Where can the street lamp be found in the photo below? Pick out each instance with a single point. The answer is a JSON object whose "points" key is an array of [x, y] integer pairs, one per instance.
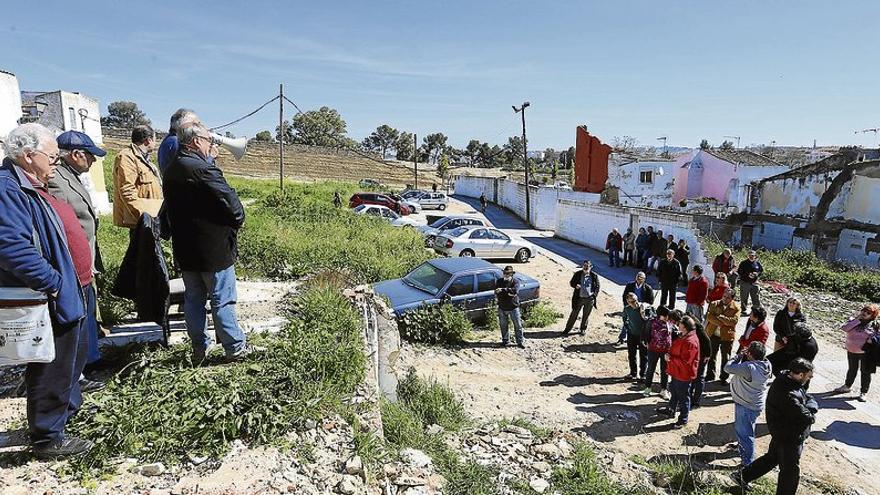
{"points": [[522, 110]]}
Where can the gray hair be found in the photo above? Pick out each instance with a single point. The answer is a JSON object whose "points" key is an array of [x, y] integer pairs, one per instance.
{"points": [[641, 274], [27, 138], [181, 117], [186, 135]]}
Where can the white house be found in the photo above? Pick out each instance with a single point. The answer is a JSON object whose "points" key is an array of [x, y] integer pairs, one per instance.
{"points": [[643, 183], [10, 104]]}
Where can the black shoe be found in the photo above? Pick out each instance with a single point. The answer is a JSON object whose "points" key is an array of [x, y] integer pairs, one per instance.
{"points": [[68, 447], [665, 411], [503, 344], [521, 345], [695, 405], [86, 385], [566, 331], [582, 331], [679, 425]]}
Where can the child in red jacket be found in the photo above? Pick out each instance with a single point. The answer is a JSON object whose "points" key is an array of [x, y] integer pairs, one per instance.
{"points": [[683, 360], [756, 329]]}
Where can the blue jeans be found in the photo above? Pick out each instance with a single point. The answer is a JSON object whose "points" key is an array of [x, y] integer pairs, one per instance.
{"points": [[699, 383], [614, 258], [653, 359], [219, 288], [514, 315], [744, 425], [680, 399]]}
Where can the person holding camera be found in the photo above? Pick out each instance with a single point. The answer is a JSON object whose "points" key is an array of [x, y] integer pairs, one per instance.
{"points": [[750, 374], [507, 294]]}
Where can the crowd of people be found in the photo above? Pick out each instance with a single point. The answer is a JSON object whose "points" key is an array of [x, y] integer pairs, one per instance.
{"points": [[48, 244], [693, 347]]}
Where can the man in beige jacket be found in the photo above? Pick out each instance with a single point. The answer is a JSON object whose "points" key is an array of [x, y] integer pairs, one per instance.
{"points": [[137, 184]]}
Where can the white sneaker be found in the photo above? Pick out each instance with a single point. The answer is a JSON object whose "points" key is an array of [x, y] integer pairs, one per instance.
{"points": [[664, 394], [843, 389], [862, 398]]}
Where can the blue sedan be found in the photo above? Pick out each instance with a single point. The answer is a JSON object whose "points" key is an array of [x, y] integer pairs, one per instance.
{"points": [[467, 283]]}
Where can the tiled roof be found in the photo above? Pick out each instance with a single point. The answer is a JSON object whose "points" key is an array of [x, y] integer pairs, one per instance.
{"points": [[745, 157]]}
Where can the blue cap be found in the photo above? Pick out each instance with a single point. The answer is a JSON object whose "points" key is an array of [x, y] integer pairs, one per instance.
{"points": [[75, 140]]}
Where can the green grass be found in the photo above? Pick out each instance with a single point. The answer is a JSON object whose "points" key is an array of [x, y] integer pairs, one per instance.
{"points": [[160, 408], [541, 315], [804, 269], [585, 476], [433, 324], [539, 432]]}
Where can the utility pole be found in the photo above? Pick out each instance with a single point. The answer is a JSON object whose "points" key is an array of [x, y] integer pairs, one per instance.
{"points": [[737, 140], [281, 133], [665, 150], [416, 159], [522, 110]]}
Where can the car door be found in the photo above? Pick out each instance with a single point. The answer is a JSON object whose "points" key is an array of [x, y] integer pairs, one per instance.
{"points": [[485, 294], [480, 243], [460, 293], [502, 245]]}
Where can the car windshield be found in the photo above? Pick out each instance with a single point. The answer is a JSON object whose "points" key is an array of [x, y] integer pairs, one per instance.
{"points": [[428, 278], [412, 194], [440, 222], [456, 232], [360, 208]]}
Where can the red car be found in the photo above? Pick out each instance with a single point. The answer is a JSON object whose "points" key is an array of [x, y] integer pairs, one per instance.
{"points": [[364, 198]]}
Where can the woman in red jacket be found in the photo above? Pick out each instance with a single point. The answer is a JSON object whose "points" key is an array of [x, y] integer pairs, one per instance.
{"points": [[683, 360], [756, 329]]}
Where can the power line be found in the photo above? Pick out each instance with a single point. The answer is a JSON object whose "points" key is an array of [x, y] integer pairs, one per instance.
{"points": [[244, 117]]}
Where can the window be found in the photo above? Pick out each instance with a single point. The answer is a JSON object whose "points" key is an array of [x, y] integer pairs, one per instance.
{"points": [[485, 282], [373, 211], [498, 235], [471, 221], [72, 118], [479, 234], [461, 286], [427, 277], [646, 177]]}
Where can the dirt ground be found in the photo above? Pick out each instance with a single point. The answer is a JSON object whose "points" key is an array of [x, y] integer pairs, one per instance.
{"points": [[576, 382]]}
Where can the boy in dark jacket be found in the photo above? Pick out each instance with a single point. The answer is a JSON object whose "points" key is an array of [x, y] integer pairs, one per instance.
{"points": [[790, 413]]}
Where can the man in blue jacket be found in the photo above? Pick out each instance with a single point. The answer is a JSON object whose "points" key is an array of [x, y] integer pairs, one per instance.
{"points": [[34, 253], [169, 147]]}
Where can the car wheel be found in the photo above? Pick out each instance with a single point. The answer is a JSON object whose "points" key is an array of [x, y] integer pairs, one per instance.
{"points": [[523, 255], [441, 207], [466, 253], [429, 242]]}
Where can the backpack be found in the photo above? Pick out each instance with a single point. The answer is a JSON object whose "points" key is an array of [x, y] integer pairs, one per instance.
{"points": [[661, 336]]}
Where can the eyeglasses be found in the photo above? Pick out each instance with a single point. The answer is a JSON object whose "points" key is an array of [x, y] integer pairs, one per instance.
{"points": [[53, 159]]}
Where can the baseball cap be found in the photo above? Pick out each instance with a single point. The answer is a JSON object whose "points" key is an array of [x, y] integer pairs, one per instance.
{"points": [[75, 140]]}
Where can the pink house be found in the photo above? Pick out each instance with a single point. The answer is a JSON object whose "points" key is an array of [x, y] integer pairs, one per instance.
{"points": [[725, 175]]}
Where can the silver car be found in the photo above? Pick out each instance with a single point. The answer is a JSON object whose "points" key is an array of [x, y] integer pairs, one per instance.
{"points": [[483, 242], [433, 200], [443, 224]]}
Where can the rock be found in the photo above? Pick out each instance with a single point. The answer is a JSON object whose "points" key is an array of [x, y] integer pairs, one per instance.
{"points": [[541, 467], [415, 458], [310, 424], [197, 459], [496, 442], [354, 466], [539, 485], [153, 469], [565, 448], [518, 431], [390, 470], [410, 481], [347, 486], [436, 482], [434, 429], [548, 450]]}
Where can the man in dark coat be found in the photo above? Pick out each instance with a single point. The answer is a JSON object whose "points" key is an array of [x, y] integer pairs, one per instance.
{"points": [[790, 413], [644, 294], [668, 273], [585, 285], [507, 295], [205, 214]]}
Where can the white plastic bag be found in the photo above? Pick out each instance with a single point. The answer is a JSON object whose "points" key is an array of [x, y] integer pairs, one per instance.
{"points": [[25, 327]]}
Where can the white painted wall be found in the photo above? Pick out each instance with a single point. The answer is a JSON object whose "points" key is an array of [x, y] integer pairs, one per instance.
{"points": [[863, 202], [633, 192], [851, 248], [773, 236], [10, 104]]}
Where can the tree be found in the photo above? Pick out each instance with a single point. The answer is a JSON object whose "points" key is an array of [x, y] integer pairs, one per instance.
{"points": [[433, 145], [382, 139], [443, 167], [124, 114], [704, 144], [727, 146], [551, 156], [405, 146], [567, 158], [322, 127], [264, 136], [513, 150], [285, 134], [554, 170], [472, 152], [625, 144]]}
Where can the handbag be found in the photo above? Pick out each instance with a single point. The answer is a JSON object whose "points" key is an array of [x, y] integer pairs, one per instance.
{"points": [[25, 324]]}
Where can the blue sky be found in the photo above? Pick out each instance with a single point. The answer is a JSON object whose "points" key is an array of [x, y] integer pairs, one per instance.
{"points": [[789, 71]]}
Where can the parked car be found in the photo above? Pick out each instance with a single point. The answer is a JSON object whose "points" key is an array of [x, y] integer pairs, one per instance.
{"points": [[483, 242], [366, 198], [433, 229], [433, 200], [412, 193], [413, 205], [467, 283], [387, 214], [369, 183]]}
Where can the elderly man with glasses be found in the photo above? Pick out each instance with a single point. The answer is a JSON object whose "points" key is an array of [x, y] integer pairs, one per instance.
{"points": [[44, 248], [205, 214], [78, 153]]}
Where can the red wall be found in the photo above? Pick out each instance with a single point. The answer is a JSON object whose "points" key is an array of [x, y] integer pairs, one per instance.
{"points": [[590, 162]]}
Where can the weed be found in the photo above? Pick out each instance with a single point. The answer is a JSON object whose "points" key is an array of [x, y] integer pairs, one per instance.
{"points": [[539, 432], [584, 476], [431, 402], [540, 315], [438, 323]]}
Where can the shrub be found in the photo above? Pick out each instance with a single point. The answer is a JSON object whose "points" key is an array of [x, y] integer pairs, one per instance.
{"points": [[540, 315], [435, 323], [431, 402], [584, 476], [162, 409]]}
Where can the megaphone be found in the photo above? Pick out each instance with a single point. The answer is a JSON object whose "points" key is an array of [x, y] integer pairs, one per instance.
{"points": [[236, 146]]}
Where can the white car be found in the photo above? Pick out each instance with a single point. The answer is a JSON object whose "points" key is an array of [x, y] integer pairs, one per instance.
{"points": [[412, 193], [483, 242], [433, 200], [447, 223], [386, 213], [414, 205]]}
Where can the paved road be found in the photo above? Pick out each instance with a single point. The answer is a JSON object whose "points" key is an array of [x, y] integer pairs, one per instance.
{"points": [[848, 426]]}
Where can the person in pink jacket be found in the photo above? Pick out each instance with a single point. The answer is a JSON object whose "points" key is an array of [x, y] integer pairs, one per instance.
{"points": [[858, 331]]}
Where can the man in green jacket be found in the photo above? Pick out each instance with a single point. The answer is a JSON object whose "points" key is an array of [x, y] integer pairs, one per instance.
{"points": [[634, 319]]}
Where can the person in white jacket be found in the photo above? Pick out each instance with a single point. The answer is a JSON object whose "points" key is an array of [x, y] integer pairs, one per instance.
{"points": [[750, 374]]}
